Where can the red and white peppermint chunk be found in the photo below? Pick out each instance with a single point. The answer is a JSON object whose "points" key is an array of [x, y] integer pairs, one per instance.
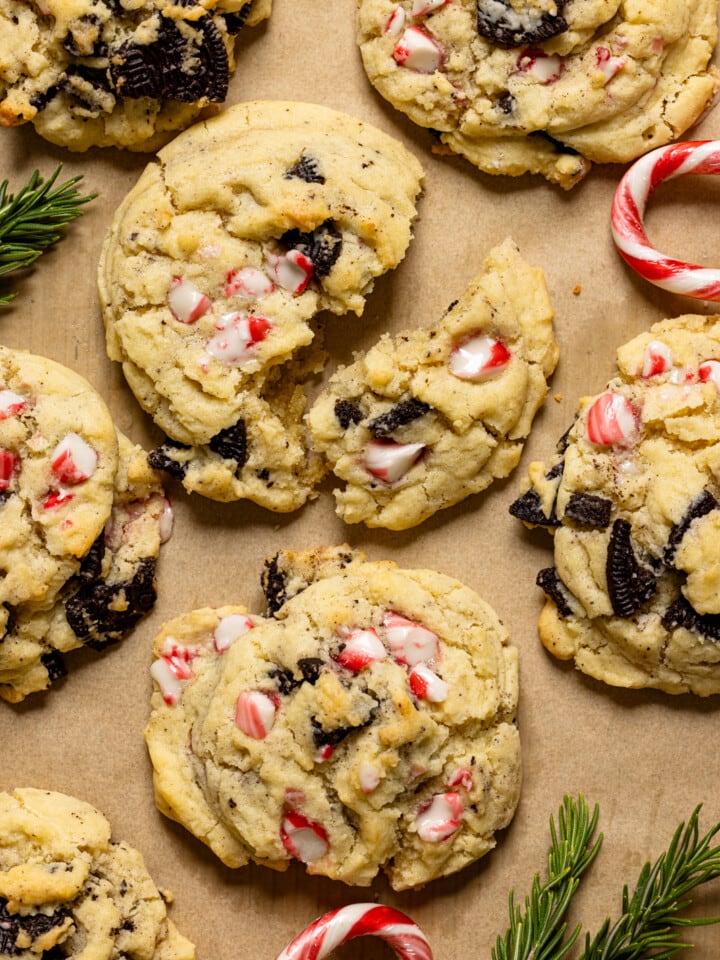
{"points": [[186, 302], [369, 776], [709, 372], [255, 713], [73, 460], [541, 66], [440, 819], [248, 282], [292, 271], [426, 684], [57, 498], [173, 668], [395, 22], [657, 359], [166, 520], [11, 403], [418, 51], [410, 642], [8, 465], [228, 630], [478, 358], [462, 777], [612, 419], [362, 647], [421, 7], [388, 460], [304, 839], [607, 64], [237, 336]]}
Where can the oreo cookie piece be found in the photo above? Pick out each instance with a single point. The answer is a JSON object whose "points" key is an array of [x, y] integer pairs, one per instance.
{"points": [[321, 246], [398, 416], [512, 24]]}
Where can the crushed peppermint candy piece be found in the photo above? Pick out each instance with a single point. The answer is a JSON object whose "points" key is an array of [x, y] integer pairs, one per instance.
{"points": [[172, 670], [418, 51], [229, 628], [657, 359], [247, 282], [166, 520], [421, 7], [305, 839], [73, 460], [324, 753], [440, 819], [607, 64], [369, 776], [255, 713], [292, 271], [409, 642], [388, 460], [57, 498], [611, 419], [479, 358], [545, 67], [11, 403], [187, 303], [362, 647], [462, 777], [236, 338], [426, 684], [8, 463], [395, 23], [709, 372]]}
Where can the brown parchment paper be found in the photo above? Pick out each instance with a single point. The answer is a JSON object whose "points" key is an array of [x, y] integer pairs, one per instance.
{"points": [[645, 757]]}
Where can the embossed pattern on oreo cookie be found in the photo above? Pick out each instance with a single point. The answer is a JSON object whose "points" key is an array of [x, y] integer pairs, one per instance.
{"points": [[431, 416], [214, 270], [68, 889], [101, 73], [633, 501], [543, 86], [367, 724]]}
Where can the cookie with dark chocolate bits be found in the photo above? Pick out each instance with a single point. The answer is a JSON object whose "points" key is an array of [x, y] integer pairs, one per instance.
{"points": [[99, 73], [634, 596]]}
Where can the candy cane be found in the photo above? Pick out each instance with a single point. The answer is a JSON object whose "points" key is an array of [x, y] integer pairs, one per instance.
{"points": [[628, 210], [356, 920]]}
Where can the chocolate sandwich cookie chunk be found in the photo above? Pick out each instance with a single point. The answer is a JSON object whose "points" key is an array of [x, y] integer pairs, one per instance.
{"points": [[68, 889], [215, 268], [427, 418], [113, 72], [633, 500], [543, 86], [367, 725]]}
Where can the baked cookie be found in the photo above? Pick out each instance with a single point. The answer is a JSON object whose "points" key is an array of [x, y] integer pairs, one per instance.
{"points": [[367, 724], [213, 272], [543, 86], [98, 73], [81, 519], [68, 889], [431, 416], [633, 500]]}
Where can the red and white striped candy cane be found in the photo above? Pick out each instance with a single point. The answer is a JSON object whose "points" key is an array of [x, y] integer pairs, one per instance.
{"points": [[628, 210], [357, 920]]}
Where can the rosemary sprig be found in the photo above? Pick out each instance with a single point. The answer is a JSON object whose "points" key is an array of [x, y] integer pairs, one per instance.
{"points": [[34, 219]]}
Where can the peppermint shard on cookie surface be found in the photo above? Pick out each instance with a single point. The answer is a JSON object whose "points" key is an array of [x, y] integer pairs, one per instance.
{"points": [[214, 270], [543, 86], [115, 72], [68, 889], [633, 500], [366, 723], [429, 417]]}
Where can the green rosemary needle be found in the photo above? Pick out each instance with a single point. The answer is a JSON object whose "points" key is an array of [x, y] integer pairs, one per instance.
{"points": [[34, 219]]}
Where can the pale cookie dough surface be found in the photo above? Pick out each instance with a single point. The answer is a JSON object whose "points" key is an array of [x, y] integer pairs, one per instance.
{"points": [[633, 500], [67, 888], [543, 86], [218, 262], [428, 417], [367, 725], [116, 72]]}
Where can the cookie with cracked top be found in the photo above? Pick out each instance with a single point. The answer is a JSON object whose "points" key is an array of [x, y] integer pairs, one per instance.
{"points": [[367, 725], [67, 889], [215, 268], [429, 417], [543, 86], [95, 73], [633, 502]]}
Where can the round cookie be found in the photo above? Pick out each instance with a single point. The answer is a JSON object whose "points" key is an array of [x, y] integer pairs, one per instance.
{"points": [[543, 86], [633, 500], [67, 887], [367, 725], [216, 265], [431, 416], [97, 73]]}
